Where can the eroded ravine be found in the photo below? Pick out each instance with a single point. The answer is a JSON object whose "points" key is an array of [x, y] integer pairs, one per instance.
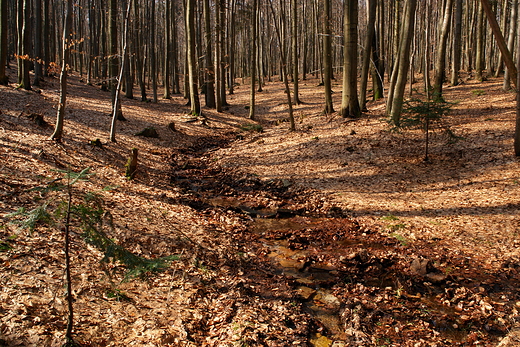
{"points": [[358, 283]]}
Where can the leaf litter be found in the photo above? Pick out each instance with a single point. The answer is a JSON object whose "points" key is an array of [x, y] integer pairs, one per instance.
{"points": [[336, 234]]}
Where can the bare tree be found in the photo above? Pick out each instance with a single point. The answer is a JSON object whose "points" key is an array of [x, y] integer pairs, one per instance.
{"points": [[441, 53], [3, 41], [66, 47], [191, 58], [349, 102], [327, 57]]}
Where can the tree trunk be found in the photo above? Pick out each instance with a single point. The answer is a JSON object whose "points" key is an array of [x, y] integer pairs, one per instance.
{"points": [[508, 58], [117, 103], [441, 54], [66, 46], [457, 44], [167, 50], [349, 101], [372, 7], [294, 4], [191, 58], [23, 45], [210, 69], [479, 55], [253, 45], [38, 71], [3, 42], [403, 62], [327, 57], [153, 60], [511, 40]]}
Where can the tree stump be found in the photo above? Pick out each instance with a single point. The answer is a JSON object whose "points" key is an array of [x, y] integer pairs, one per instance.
{"points": [[131, 165]]}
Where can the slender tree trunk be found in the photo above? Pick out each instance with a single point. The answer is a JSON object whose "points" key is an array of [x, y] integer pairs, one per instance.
{"points": [[457, 44], [167, 50], [294, 4], [372, 7], [38, 71], [327, 57], [117, 101], [192, 59], [517, 124], [403, 63], [232, 38], [219, 74], [253, 44], [176, 82], [479, 56], [284, 70], [511, 40], [60, 116], [349, 101], [153, 60], [224, 55], [4, 80], [508, 58], [210, 67], [113, 62], [24, 62], [441, 54], [378, 71]]}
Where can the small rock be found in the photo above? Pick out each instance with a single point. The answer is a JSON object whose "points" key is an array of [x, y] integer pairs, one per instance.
{"points": [[419, 266]]}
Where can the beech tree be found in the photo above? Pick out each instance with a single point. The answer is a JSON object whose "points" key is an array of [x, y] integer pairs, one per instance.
{"points": [[350, 104], [3, 41], [66, 47]]}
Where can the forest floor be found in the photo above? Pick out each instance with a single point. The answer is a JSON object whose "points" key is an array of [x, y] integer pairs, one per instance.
{"points": [[337, 234]]}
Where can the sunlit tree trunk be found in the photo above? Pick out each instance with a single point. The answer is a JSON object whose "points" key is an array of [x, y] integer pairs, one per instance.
{"points": [[294, 4], [327, 57], [66, 46], [167, 50], [396, 93], [253, 44], [367, 51], [349, 101], [209, 72], [511, 41], [441, 53], [23, 45], [152, 48], [479, 55], [457, 43]]}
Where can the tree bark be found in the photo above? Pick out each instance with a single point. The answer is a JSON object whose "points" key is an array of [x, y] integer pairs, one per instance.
{"points": [[440, 62], [367, 50], [457, 44], [396, 94], [253, 45], [210, 69], [60, 116], [191, 58], [294, 4], [4, 80], [349, 101], [511, 40], [508, 58], [327, 57]]}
